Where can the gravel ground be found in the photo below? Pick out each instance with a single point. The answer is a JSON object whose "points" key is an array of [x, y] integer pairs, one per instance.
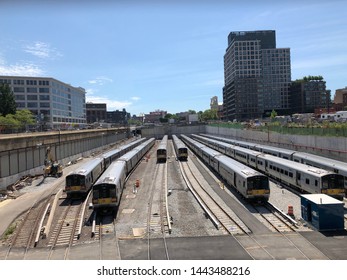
{"points": [[188, 218]]}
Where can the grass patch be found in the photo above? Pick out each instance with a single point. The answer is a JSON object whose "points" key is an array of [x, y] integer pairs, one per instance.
{"points": [[9, 231]]}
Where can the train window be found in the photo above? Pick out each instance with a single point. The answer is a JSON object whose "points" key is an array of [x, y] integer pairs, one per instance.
{"points": [[316, 183], [285, 172], [281, 171], [307, 181], [291, 174]]}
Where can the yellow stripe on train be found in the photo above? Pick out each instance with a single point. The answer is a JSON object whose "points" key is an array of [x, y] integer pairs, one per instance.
{"points": [[258, 192], [104, 200], [334, 191]]}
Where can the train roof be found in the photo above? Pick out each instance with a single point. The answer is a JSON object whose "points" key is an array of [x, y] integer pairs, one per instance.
{"points": [[205, 149], [113, 172], [178, 142], [133, 143], [247, 151], [229, 140], [111, 153], [296, 165], [238, 167], [221, 143], [87, 167], [251, 144], [275, 149], [196, 143], [134, 151], [211, 152], [163, 143], [322, 160]]}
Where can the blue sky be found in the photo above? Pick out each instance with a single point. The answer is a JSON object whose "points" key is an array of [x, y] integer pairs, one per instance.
{"points": [[167, 55]]}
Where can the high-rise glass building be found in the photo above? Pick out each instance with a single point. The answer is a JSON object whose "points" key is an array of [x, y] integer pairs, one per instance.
{"points": [[54, 103], [257, 75]]}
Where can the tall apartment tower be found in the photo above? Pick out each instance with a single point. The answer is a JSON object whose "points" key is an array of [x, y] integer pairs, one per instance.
{"points": [[257, 75]]}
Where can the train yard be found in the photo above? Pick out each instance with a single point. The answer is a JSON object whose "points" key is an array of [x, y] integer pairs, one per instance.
{"points": [[167, 210]]}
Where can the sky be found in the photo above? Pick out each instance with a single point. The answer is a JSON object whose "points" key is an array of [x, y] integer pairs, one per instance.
{"points": [[144, 56]]}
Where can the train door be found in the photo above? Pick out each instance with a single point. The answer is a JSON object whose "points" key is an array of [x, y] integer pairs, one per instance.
{"points": [[266, 166], [298, 178]]}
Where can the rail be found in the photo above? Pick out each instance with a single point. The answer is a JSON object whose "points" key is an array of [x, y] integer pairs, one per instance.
{"points": [[39, 230], [202, 204]]}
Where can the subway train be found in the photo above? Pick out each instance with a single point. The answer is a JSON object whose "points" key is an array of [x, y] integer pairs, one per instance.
{"points": [[305, 178], [79, 182], [336, 166], [162, 150], [180, 148], [108, 188], [251, 184]]}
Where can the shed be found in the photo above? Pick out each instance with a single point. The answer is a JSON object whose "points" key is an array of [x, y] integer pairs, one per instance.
{"points": [[322, 211]]}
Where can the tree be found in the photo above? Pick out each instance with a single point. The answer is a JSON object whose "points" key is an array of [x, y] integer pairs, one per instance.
{"points": [[19, 120], [273, 115], [9, 122], [25, 117], [210, 114], [7, 100]]}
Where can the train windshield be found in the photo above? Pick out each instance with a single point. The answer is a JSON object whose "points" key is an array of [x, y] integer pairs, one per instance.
{"points": [[104, 191], [75, 180], [332, 181], [161, 152], [258, 183], [182, 150]]}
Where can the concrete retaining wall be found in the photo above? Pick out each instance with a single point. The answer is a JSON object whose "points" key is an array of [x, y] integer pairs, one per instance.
{"points": [[23, 155]]}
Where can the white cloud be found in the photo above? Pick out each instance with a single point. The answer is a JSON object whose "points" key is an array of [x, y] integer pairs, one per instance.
{"points": [[24, 69], [42, 50], [101, 80], [111, 104], [135, 98]]}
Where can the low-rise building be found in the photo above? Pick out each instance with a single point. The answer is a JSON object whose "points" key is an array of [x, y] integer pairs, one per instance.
{"points": [[309, 94], [154, 117], [96, 112], [54, 104]]}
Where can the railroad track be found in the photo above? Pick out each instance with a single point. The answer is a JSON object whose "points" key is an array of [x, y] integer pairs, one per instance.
{"points": [[66, 230], [29, 229], [272, 219], [104, 225], [158, 220], [25, 234], [222, 216]]}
